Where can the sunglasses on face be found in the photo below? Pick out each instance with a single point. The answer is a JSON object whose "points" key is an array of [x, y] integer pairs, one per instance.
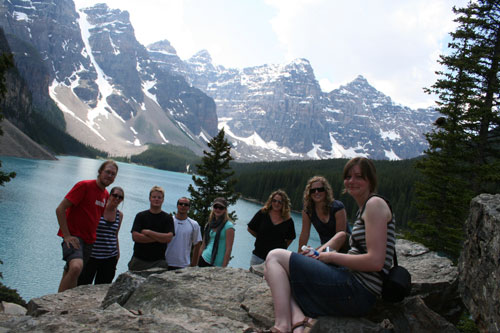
{"points": [[219, 207], [185, 204], [317, 189], [277, 201], [117, 196]]}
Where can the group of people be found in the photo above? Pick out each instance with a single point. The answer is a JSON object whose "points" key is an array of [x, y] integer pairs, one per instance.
{"points": [[342, 277], [89, 222]]}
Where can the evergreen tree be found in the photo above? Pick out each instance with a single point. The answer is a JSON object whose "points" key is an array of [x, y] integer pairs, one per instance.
{"points": [[463, 155], [6, 62], [215, 180]]}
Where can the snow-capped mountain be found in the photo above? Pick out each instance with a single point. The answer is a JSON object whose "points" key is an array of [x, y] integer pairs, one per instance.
{"points": [[282, 108], [112, 95], [118, 95]]}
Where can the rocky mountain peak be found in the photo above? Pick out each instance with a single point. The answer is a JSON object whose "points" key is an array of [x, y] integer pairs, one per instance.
{"points": [[162, 46], [202, 57]]}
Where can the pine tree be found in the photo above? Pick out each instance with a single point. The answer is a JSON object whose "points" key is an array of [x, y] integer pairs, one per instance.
{"points": [[215, 180], [6, 62], [463, 155]]}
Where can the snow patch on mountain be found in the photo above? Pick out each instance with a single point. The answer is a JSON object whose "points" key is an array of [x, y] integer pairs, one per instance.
{"points": [[255, 140], [391, 135], [162, 136], [391, 155], [105, 87], [62, 106]]}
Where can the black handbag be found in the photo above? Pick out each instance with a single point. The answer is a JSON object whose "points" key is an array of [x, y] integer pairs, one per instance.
{"points": [[397, 284]]}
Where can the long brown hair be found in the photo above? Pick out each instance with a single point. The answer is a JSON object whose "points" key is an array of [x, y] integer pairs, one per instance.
{"points": [[285, 207], [308, 201], [368, 171]]}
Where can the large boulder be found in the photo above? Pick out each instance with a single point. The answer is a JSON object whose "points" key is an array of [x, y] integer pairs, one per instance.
{"points": [[434, 278], [479, 263], [223, 300]]}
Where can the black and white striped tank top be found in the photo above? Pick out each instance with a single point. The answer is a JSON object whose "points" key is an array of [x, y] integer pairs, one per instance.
{"points": [[372, 280], [105, 245]]}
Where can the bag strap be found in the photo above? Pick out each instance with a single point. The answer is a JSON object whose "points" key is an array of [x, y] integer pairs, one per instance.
{"points": [[358, 246]]}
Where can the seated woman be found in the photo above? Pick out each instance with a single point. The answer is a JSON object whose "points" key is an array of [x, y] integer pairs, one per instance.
{"points": [[106, 249], [271, 226], [333, 283], [218, 237], [327, 215]]}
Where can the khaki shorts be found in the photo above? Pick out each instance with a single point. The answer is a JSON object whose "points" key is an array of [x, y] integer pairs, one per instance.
{"points": [[70, 253]]}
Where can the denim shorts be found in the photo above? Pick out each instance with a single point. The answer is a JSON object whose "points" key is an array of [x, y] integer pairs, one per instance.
{"points": [[254, 260], [327, 290]]}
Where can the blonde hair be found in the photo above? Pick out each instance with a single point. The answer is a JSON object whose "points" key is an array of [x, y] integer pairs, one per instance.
{"points": [[157, 188], [212, 216], [308, 201], [285, 207]]}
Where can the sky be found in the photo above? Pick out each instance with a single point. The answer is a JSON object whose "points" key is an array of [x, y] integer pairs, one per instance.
{"points": [[394, 44]]}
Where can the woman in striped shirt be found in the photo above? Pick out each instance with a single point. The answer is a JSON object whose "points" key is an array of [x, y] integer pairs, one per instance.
{"points": [[332, 283], [106, 249]]}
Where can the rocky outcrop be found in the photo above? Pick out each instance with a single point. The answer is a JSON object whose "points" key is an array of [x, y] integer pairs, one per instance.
{"points": [[221, 300], [113, 96], [282, 108], [479, 264], [15, 143]]}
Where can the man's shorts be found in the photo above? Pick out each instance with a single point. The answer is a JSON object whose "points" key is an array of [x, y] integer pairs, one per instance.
{"points": [[70, 253], [136, 264]]}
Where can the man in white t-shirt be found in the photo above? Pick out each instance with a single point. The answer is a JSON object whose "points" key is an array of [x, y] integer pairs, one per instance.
{"points": [[187, 236]]}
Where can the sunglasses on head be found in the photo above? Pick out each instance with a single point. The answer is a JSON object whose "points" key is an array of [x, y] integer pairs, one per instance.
{"points": [[277, 201], [317, 189], [219, 207], [185, 204], [117, 196]]}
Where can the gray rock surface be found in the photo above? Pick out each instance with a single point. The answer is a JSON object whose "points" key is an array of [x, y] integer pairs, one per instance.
{"points": [[15, 143], [434, 278], [479, 263], [12, 308], [200, 300]]}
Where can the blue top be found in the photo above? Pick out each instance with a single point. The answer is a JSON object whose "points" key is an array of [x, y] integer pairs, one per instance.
{"points": [[326, 230], [207, 253]]}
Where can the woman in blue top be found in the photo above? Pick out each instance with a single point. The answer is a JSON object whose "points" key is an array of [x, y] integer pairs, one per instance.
{"points": [[327, 215], [218, 237]]}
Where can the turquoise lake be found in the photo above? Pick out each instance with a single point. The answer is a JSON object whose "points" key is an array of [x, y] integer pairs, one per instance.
{"points": [[31, 250]]}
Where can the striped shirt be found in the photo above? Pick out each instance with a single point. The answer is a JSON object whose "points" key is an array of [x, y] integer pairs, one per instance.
{"points": [[105, 245], [372, 280]]}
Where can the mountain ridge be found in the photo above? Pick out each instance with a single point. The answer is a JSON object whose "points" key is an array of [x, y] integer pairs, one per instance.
{"points": [[118, 95]]}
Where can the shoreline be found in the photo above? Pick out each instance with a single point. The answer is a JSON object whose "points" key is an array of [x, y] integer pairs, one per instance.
{"points": [[255, 201]]}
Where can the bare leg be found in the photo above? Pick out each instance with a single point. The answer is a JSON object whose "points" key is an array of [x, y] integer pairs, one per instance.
{"points": [[70, 278], [277, 274]]}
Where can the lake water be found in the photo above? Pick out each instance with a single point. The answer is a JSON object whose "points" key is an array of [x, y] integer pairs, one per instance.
{"points": [[31, 250]]}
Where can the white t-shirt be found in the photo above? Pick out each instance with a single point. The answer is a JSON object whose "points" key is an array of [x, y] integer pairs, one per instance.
{"points": [[187, 233]]}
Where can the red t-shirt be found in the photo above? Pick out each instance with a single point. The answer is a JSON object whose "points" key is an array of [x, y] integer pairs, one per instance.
{"points": [[88, 206]]}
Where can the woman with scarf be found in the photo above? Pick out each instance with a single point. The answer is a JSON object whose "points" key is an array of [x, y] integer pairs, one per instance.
{"points": [[218, 237]]}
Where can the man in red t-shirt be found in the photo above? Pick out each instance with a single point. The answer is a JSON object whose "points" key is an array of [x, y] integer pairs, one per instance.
{"points": [[78, 215]]}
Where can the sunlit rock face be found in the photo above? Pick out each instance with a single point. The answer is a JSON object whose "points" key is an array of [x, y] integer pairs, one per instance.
{"points": [[282, 108], [89, 63], [117, 95]]}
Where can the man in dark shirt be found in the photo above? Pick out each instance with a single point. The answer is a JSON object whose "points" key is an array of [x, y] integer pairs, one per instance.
{"points": [[152, 230]]}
